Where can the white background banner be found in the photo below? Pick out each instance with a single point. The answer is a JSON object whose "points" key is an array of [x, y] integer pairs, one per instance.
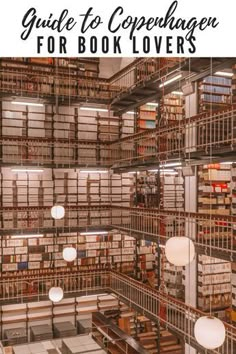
{"points": [[117, 28]]}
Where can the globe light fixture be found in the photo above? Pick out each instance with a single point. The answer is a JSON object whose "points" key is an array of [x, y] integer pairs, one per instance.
{"points": [[69, 254], [180, 251], [57, 212], [55, 294], [209, 332]]}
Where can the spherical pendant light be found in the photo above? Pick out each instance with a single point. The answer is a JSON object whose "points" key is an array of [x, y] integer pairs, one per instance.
{"points": [[58, 212], [209, 332], [180, 251], [69, 254], [55, 294]]}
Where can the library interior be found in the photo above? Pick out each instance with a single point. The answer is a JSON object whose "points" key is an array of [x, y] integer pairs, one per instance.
{"points": [[118, 205]]}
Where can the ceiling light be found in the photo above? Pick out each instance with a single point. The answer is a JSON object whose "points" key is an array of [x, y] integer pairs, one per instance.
{"points": [[152, 104], [226, 163], [93, 109], [223, 73], [28, 103], [27, 236], [19, 170], [180, 93], [94, 233], [170, 80], [93, 171], [171, 164], [130, 112], [162, 170], [168, 172]]}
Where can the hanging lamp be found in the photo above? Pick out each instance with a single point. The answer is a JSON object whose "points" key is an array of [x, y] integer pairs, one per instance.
{"points": [[209, 332], [57, 212], [56, 294], [180, 251], [69, 254]]}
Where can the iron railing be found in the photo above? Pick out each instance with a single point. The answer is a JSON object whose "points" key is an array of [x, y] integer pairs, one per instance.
{"points": [[143, 71], [158, 306], [203, 135], [23, 219], [168, 311], [53, 152], [210, 233]]}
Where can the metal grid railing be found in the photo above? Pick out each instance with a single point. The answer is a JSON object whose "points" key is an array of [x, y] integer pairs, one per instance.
{"points": [[166, 310], [144, 70], [34, 288], [204, 133], [174, 314], [48, 152], [36, 82], [36, 219], [211, 233]]}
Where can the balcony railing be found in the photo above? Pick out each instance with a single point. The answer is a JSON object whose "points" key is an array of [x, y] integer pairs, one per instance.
{"points": [[39, 219], [203, 135], [211, 234], [158, 306], [162, 308], [39, 81], [143, 71], [54, 152]]}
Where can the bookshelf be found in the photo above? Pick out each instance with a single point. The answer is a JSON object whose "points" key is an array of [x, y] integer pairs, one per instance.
{"points": [[214, 275], [164, 191], [145, 261], [173, 279], [214, 285], [40, 78], [215, 93], [147, 190], [94, 252], [214, 192], [173, 191], [147, 117], [171, 109]]}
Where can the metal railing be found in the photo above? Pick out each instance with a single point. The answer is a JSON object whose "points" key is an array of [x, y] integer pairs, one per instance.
{"points": [[202, 134], [173, 314], [212, 234], [143, 71], [48, 152], [37, 82], [36, 219], [36, 287], [166, 310]]}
